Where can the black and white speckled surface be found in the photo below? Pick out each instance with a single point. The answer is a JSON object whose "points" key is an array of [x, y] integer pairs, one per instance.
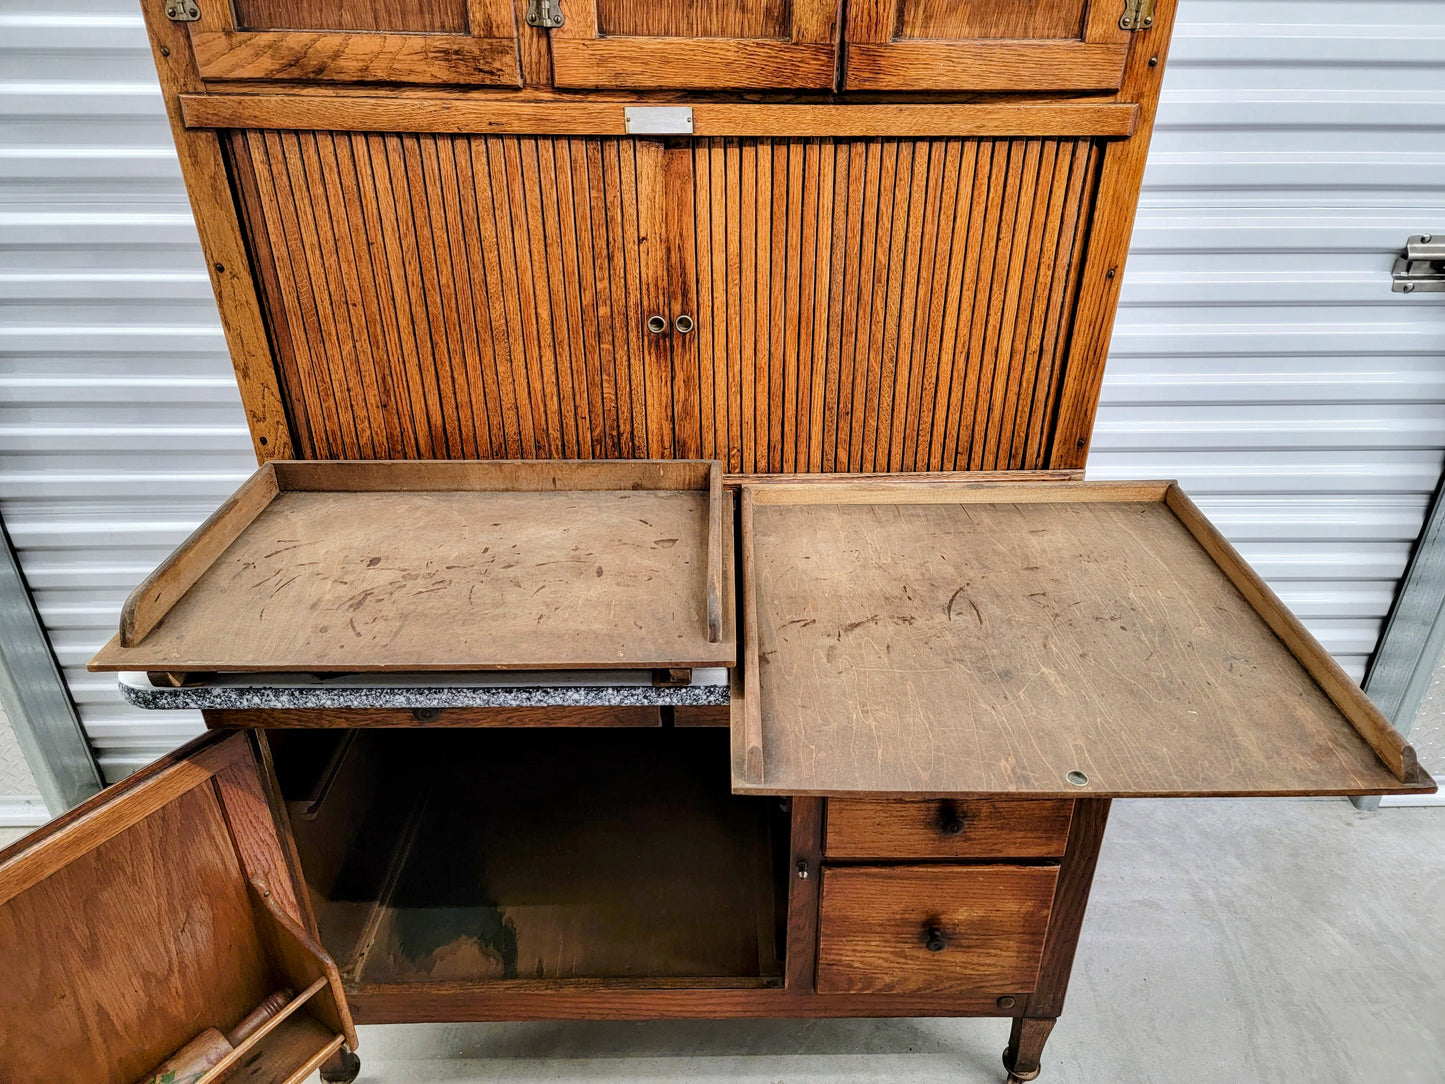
{"points": [[280, 697]]}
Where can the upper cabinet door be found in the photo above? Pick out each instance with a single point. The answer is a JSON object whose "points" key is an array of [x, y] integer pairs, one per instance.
{"points": [[464, 42], [706, 44], [161, 908], [988, 45]]}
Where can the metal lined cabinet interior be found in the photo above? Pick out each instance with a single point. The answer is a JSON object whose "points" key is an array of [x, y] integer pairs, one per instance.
{"points": [[341, 41], [811, 305]]}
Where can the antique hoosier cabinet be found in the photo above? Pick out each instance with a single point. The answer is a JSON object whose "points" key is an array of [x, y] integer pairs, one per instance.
{"points": [[669, 589]]}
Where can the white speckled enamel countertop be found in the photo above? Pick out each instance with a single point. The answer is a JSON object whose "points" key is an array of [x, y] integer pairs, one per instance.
{"points": [[620, 688]]}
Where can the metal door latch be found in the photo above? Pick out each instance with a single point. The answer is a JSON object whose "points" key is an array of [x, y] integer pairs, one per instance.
{"points": [[1138, 15], [182, 11], [544, 13], [1422, 268]]}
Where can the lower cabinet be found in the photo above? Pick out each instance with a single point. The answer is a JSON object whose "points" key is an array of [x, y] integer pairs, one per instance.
{"points": [[521, 859]]}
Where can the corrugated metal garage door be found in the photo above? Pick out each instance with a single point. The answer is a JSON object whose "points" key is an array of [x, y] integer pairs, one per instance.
{"points": [[1260, 356]]}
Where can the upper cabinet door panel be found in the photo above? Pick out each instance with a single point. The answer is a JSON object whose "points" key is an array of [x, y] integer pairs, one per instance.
{"points": [[462, 42], [992, 45], [709, 44]]}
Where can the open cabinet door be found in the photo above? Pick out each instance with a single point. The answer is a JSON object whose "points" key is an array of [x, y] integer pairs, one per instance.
{"points": [[1042, 640], [164, 906]]}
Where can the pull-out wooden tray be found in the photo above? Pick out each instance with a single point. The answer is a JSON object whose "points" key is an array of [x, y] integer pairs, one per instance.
{"points": [[332, 567], [1042, 638]]}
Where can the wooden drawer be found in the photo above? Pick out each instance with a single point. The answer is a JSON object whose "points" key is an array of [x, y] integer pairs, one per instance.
{"points": [[947, 828], [930, 929]]}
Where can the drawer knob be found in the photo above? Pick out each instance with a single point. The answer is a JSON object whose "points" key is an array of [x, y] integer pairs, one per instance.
{"points": [[951, 823], [936, 941]]}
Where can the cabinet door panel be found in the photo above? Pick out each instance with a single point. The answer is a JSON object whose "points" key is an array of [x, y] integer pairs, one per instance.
{"points": [[462, 42], [128, 925], [995, 45], [442, 297], [877, 305], [762, 44]]}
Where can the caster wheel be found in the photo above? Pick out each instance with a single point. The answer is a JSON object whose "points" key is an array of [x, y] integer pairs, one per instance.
{"points": [[342, 1069], [1017, 1078]]}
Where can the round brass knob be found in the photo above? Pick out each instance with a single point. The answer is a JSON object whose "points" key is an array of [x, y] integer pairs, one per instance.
{"points": [[657, 324], [683, 324]]}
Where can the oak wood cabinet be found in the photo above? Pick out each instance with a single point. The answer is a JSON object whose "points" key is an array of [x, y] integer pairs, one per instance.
{"points": [[863, 255]]}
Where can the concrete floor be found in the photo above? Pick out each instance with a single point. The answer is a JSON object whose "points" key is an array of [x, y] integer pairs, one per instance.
{"points": [[1227, 942]]}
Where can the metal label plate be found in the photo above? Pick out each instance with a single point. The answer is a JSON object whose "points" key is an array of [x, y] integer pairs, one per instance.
{"points": [[658, 119]]}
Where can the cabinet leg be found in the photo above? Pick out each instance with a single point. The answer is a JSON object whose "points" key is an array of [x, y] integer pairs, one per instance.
{"points": [[341, 1068], [1025, 1047]]}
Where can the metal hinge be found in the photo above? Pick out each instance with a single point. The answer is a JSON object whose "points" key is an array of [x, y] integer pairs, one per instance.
{"points": [[182, 11], [1422, 268], [544, 13], [1138, 15]]}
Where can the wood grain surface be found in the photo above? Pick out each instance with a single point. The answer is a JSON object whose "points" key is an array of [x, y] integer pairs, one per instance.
{"points": [[880, 305], [121, 957], [471, 115], [986, 648], [698, 19], [946, 19], [985, 66], [1057, 45], [947, 828], [922, 310], [447, 580], [874, 924], [761, 44], [411, 16]]}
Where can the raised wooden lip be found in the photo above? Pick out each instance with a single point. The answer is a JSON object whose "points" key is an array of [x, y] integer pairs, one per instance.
{"points": [[459, 114], [1388, 744], [147, 605]]}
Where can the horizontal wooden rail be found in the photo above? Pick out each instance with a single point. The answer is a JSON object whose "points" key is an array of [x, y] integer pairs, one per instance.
{"points": [[482, 115]]}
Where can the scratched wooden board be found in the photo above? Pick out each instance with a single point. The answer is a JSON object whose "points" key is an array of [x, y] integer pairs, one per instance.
{"points": [[449, 580], [995, 648]]}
